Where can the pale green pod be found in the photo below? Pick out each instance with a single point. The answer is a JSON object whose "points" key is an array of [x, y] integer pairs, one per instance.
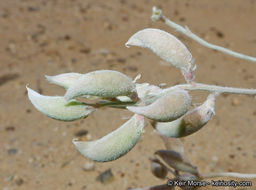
{"points": [[168, 107], [57, 107], [64, 80], [102, 83], [176, 161], [166, 46], [191, 122], [115, 144]]}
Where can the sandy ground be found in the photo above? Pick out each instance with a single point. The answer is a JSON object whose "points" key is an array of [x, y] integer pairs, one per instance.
{"points": [[56, 36]]}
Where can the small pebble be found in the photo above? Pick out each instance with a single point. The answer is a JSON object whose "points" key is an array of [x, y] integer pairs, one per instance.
{"points": [[131, 68], [81, 133], [11, 48], [10, 128], [85, 50], [232, 156], [122, 174], [19, 181], [89, 166], [235, 102], [107, 25], [33, 9], [105, 177], [121, 60], [12, 151]]}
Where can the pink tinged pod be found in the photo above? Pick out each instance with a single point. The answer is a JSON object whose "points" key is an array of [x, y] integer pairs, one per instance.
{"points": [[115, 144], [191, 122], [167, 47], [57, 107], [103, 83], [64, 80], [168, 107]]}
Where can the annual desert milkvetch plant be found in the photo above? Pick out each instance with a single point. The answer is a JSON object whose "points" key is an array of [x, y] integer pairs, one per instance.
{"points": [[168, 109]]}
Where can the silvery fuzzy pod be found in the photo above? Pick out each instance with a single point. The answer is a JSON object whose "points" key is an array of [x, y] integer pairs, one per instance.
{"points": [[176, 161], [167, 47], [102, 83], [191, 122], [115, 144], [64, 80], [168, 107], [157, 168], [57, 107]]}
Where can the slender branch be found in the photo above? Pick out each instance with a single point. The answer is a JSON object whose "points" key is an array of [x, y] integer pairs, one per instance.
{"points": [[213, 88], [228, 174], [157, 15]]}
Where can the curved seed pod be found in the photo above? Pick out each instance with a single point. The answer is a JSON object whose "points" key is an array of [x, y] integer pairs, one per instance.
{"points": [[157, 168], [175, 160], [191, 122], [64, 80], [174, 144], [115, 144], [168, 107], [103, 83], [166, 46], [56, 107]]}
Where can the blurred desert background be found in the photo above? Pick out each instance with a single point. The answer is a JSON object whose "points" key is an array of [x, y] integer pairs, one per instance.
{"points": [[49, 37]]}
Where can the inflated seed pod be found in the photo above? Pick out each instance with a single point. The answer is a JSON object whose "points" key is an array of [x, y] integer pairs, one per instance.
{"points": [[157, 168], [115, 144], [64, 80], [57, 107], [176, 161], [191, 122], [168, 107], [102, 83], [166, 46]]}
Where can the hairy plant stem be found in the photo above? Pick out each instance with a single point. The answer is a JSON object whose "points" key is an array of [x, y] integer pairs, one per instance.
{"points": [[228, 174], [157, 15], [213, 88]]}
